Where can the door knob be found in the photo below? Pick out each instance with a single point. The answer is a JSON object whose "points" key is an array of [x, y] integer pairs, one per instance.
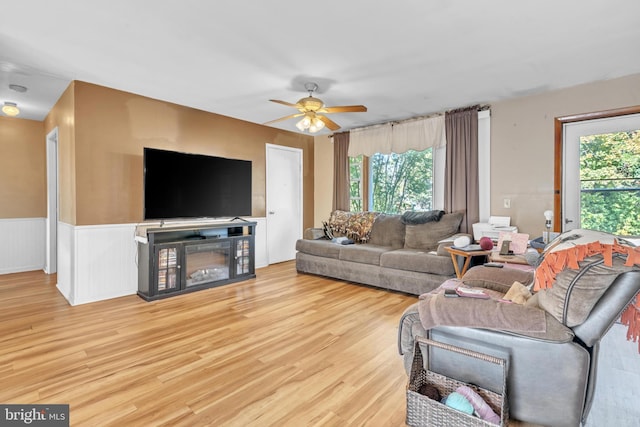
{"points": [[271, 212], [567, 220]]}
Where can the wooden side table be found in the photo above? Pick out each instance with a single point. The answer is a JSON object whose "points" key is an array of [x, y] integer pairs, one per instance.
{"points": [[467, 255]]}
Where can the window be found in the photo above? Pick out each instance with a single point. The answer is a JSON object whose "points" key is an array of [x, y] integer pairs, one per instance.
{"points": [[598, 164], [610, 182], [413, 180], [356, 183], [398, 182]]}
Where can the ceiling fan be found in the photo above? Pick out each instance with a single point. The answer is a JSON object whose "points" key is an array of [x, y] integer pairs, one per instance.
{"points": [[311, 110]]}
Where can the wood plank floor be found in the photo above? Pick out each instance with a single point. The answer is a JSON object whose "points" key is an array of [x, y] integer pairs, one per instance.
{"points": [[282, 349]]}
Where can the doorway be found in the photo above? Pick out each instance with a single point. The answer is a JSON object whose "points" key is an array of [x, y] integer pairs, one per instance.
{"points": [[283, 201], [597, 173], [51, 238]]}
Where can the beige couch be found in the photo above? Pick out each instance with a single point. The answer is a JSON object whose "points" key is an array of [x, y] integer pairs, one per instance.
{"points": [[395, 255]]}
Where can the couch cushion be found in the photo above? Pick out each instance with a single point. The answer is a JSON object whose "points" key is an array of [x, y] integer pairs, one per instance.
{"points": [[323, 248], [387, 230], [364, 254], [417, 260], [426, 236]]}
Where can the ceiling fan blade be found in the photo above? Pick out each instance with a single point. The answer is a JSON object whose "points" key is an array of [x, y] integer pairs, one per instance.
{"points": [[329, 123], [344, 109], [288, 104], [290, 116]]}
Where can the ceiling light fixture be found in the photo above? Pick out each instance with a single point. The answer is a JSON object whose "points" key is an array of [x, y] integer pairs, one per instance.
{"points": [[310, 122], [10, 109]]}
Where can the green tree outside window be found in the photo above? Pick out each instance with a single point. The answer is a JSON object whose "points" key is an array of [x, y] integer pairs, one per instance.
{"points": [[610, 182], [399, 182]]}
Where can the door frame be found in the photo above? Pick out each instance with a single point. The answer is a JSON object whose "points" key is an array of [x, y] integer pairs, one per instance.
{"points": [[558, 170], [51, 238], [299, 169]]}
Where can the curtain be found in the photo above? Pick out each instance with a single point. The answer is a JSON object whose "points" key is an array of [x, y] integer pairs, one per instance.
{"points": [[341, 171], [418, 134], [370, 140], [461, 168]]}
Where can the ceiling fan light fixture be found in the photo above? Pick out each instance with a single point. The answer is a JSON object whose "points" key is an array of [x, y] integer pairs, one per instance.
{"points": [[316, 125], [310, 122], [10, 109], [310, 107], [304, 124]]}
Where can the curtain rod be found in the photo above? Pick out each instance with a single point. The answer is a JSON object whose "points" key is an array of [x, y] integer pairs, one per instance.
{"points": [[428, 116]]}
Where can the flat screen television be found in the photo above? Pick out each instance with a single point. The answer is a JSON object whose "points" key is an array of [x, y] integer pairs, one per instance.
{"points": [[182, 185]]}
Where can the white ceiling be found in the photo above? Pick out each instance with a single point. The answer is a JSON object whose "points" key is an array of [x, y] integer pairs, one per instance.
{"points": [[403, 59]]}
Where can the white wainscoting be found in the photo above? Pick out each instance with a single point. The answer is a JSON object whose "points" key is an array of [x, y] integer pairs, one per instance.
{"points": [[98, 262], [262, 259], [23, 244], [65, 260], [101, 261]]}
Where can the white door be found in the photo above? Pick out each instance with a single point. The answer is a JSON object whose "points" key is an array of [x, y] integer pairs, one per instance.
{"points": [[284, 202], [575, 136]]}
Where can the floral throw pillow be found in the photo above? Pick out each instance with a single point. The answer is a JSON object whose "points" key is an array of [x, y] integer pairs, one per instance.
{"points": [[355, 225], [338, 221]]}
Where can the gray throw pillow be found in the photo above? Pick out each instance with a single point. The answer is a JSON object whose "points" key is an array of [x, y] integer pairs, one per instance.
{"points": [[426, 236], [415, 217], [387, 230]]}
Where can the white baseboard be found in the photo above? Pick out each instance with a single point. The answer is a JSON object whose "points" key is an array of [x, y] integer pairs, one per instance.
{"points": [[23, 244]]}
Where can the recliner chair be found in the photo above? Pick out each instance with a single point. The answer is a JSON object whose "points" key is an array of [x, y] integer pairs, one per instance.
{"points": [[552, 376]]}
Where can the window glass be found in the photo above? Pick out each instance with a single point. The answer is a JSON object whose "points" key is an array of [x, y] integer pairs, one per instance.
{"points": [[610, 182], [355, 184], [399, 182]]}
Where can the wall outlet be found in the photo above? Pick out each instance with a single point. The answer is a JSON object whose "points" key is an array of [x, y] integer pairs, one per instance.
{"points": [[507, 203]]}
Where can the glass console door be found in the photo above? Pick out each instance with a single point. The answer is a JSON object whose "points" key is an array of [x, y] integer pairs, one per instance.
{"points": [[167, 268], [243, 258]]}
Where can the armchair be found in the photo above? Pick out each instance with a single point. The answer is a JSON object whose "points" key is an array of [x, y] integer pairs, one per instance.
{"points": [[552, 375]]}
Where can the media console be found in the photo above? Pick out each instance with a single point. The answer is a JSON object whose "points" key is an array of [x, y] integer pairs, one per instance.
{"points": [[180, 258]]}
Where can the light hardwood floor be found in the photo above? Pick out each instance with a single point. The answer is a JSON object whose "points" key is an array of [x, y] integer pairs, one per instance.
{"points": [[281, 349]]}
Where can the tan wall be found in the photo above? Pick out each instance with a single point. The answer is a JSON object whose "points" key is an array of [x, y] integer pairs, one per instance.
{"points": [[522, 144], [522, 148], [22, 169], [323, 159], [62, 117], [112, 128]]}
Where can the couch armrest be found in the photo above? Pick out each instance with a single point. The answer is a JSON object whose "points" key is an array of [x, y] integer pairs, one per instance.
{"points": [[313, 234]]}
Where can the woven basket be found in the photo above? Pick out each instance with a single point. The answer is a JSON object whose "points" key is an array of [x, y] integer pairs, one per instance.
{"points": [[422, 411]]}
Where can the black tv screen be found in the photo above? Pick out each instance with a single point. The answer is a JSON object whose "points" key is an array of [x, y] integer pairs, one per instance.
{"points": [[181, 185]]}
